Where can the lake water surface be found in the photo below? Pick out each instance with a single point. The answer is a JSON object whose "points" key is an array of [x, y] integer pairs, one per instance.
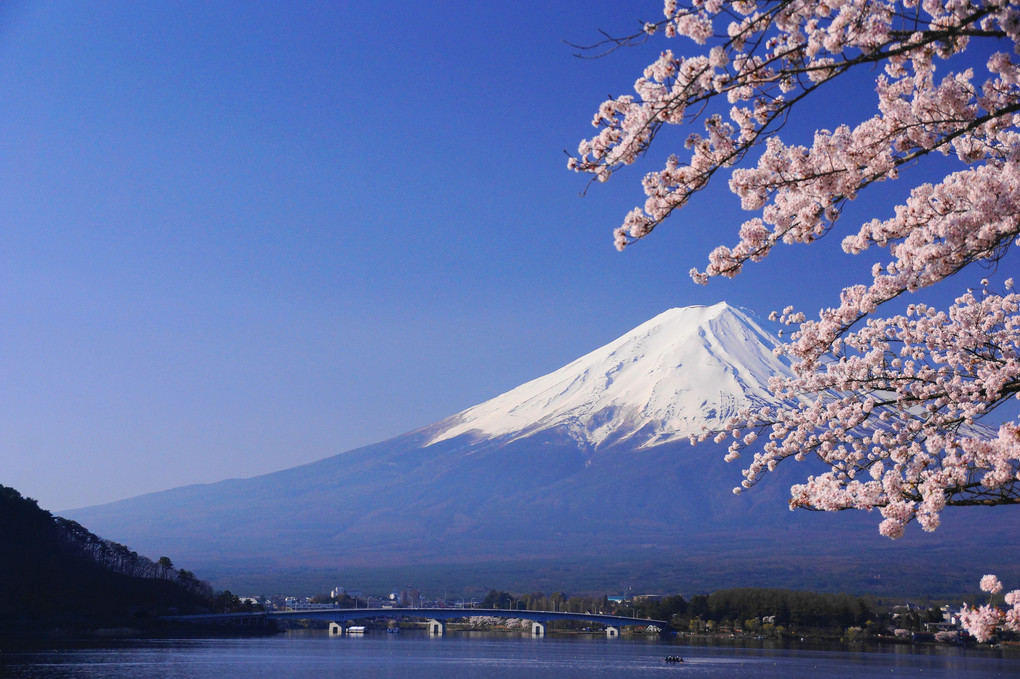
{"points": [[469, 655]]}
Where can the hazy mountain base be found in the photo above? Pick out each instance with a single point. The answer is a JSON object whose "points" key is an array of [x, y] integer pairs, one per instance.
{"points": [[543, 513], [653, 571]]}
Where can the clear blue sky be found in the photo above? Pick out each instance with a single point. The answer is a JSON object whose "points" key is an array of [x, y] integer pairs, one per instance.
{"points": [[241, 236]]}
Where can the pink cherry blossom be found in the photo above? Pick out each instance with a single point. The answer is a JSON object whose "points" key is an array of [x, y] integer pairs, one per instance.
{"points": [[991, 584], [983, 621]]}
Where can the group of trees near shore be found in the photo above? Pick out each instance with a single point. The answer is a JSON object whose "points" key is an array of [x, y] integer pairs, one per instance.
{"points": [[742, 607], [54, 573], [790, 609]]}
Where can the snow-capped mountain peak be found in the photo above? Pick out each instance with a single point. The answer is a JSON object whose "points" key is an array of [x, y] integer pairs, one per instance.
{"points": [[666, 379]]}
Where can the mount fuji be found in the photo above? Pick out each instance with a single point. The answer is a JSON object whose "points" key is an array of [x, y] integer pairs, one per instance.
{"points": [[580, 480], [669, 378]]}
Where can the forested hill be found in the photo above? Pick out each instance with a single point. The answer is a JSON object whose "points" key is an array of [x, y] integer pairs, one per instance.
{"points": [[55, 574]]}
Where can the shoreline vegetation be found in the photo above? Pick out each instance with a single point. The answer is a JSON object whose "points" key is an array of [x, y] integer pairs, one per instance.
{"points": [[63, 584]]}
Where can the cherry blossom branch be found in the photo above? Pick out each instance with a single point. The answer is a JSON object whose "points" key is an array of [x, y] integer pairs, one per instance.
{"points": [[895, 407]]}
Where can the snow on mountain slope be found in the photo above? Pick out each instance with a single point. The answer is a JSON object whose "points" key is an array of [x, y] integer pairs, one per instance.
{"points": [[665, 380]]}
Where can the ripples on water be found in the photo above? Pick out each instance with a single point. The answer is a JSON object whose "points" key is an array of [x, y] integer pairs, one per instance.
{"points": [[301, 655]]}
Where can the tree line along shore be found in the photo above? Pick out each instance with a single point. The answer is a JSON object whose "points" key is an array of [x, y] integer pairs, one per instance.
{"points": [[61, 579]]}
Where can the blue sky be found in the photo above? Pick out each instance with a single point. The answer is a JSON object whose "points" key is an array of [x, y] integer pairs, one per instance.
{"points": [[238, 236]]}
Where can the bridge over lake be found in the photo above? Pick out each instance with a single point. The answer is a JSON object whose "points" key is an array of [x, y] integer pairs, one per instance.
{"points": [[436, 617]]}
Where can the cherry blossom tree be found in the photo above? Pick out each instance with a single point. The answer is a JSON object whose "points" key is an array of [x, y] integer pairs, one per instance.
{"points": [[983, 621], [902, 402]]}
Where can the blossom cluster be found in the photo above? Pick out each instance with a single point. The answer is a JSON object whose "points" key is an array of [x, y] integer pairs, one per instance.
{"points": [[983, 621], [894, 405], [772, 56], [894, 409]]}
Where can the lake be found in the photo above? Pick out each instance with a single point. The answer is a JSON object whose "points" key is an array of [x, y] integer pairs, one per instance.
{"points": [[465, 655]]}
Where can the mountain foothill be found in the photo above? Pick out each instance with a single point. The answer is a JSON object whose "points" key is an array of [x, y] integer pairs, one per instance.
{"points": [[57, 576]]}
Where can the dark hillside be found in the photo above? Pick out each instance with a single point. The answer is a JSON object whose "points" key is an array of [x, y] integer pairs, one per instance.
{"points": [[56, 574]]}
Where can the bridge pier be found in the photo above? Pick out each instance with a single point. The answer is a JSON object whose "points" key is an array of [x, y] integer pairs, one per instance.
{"points": [[537, 629], [336, 628], [612, 632], [437, 628]]}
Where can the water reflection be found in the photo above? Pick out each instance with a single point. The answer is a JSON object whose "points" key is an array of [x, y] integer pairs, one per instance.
{"points": [[479, 654]]}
